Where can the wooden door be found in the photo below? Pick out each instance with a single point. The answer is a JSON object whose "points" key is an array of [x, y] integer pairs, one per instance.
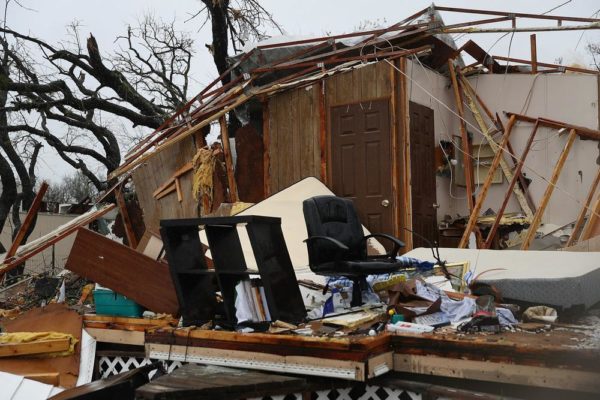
{"points": [[361, 161], [422, 168]]}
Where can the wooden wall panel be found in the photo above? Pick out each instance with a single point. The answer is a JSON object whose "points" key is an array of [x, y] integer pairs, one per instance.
{"points": [[156, 171], [295, 150]]}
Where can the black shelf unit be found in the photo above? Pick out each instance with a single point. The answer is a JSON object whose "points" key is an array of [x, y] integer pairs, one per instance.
{"points": [[270, 252]]}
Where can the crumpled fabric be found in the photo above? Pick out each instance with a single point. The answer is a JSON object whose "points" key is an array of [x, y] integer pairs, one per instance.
{"points": [[506, 317]]}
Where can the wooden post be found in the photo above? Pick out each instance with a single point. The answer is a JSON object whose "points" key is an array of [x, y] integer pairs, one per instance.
{"points": [[323, 131], [494, 146], [131, 239], [592, 221], [233, 193], [31, 213], [266, 149], [518, 169], [486, 185], [396, 204], [584, 210], [406, 174], [533, 54], [537, 219], [466, 148]]}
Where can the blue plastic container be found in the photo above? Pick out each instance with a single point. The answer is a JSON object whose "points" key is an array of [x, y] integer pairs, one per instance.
{"points": [[111, 303]]}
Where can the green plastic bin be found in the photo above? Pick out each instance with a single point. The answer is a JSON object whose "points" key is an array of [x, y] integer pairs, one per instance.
{"points": [[111, 303]]}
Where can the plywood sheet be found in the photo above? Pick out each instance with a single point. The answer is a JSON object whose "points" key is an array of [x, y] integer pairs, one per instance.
{"points": [[155, 172], [123, 270], [53, 317]]}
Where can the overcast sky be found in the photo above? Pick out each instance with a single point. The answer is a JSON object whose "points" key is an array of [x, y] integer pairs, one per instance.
{"points": [[107, 19]]}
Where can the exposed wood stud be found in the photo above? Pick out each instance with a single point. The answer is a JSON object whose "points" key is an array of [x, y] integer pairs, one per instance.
{"points": [[592, 221], [537, 219], [486, 185], [584, 209], [405, 141], [233, 193], [466, 148], [29, 218], [129, 233], [533, 54], [494, 146], [396, 204], [511, 185]]}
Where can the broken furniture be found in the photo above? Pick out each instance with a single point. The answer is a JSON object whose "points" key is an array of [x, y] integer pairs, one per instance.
{"points": [[270, 253], [337, 246]]}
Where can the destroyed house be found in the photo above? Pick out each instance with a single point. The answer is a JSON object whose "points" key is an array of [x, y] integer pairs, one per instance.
{"points": [[398, 129], [377, 117]]}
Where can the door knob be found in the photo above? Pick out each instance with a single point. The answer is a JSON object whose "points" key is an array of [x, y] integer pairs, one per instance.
{"points": [[385, 202], [436, 205]]}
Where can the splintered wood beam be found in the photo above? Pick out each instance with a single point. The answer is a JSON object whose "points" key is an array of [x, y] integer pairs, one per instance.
{"points": [[494, 146], [131, 239], [592, 221], [464, 137], [233, 193], [537, 219], [31, 213], [533, 54], [581, 131], [486, 185], [584, 209], [511, 185]]}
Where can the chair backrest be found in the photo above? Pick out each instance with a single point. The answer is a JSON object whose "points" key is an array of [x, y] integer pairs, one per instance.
{"points": [[334, 217]]}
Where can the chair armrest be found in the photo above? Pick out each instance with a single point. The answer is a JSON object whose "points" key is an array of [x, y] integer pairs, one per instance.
{"points": [[397, 243], [339, 244]]}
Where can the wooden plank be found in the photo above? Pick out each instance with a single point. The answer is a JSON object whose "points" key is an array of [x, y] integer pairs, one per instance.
{"points": [[537, 219], [178, 190], [486, 185], [37, 347], [592, 221], [53, 237], [494, 146], [405, 144], [557, 378], [115, 336], [31, 213], [228, 160], [345, 369], [168, 190], [131, 239], [533, 54], [584, 209], [395, 150], [187, 167], [511, 184], [123, 270], [466, 148]]}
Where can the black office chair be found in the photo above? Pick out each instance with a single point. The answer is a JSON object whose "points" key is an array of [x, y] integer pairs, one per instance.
{"points": [[337, 245]]}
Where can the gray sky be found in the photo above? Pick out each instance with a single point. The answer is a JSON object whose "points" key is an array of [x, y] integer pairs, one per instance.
{"points": [[107, 19]]}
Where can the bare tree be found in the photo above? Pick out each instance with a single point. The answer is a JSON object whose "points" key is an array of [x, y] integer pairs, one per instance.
{"points": [[71, 189], [235, 21]]}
